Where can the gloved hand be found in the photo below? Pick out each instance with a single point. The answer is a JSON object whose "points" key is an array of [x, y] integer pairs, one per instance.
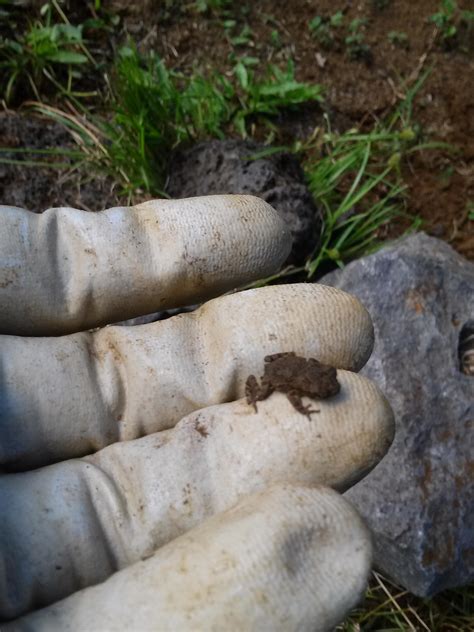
{"points": [[154, 476]]}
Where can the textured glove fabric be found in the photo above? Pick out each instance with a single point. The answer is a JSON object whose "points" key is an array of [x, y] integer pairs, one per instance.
{"points": [[72, 395], [68, 270], [118, 506], [290, 558], [139, 489]]}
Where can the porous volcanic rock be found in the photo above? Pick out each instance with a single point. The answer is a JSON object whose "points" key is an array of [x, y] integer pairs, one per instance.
{"points": [[228, 166], [419, 501]]}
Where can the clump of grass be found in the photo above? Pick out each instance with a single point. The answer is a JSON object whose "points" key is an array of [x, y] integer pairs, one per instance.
{"points": [[243, 38], [389, 608], [154, 110], [354, 178], [357, 178]]}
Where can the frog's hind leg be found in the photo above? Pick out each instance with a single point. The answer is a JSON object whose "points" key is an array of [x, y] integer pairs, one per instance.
{"points": [[296, 401]]}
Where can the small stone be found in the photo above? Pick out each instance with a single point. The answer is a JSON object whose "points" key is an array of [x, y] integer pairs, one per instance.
{"points": [[419, 501]]}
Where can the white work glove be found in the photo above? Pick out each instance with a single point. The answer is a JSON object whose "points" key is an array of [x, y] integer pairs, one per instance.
{"points": [[155, 477]]}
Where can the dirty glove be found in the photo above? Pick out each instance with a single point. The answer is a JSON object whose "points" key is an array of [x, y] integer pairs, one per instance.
{"points": [[161, 499]]}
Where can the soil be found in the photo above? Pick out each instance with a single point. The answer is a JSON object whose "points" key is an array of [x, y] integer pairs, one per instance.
{"points": [[441, 184], [39, 188]]}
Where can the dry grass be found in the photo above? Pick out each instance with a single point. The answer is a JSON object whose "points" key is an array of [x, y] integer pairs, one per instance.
{"points": [[389, 608]]}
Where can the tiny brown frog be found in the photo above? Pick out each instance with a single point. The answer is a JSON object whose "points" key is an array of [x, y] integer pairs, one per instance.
{"points": [[295, 376]]}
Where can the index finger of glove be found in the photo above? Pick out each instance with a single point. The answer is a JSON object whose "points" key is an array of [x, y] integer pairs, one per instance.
{"points": [[68, 270]]}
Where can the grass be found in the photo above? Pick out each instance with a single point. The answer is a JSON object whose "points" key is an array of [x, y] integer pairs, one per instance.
{"points": [[331, 33], [354, 178], [155, 110], [389, 608], [51, 54], [357, 178]]}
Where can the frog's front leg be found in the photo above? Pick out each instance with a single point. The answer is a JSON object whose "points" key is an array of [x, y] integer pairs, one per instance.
{"points": [[266, 389], [255, 393], [252, 391], [295, 399]]}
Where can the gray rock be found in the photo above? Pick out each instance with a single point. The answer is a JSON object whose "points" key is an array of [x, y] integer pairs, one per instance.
{"points": [[216, 166], [419, 501]]}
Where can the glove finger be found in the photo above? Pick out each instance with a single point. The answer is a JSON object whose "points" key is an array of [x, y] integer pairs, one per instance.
{"points": [[290, 558], [68, 270], [107, 511], [70, 396]]}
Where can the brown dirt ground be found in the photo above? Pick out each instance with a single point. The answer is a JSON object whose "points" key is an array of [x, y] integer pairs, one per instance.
{"points": [[441, 186]]}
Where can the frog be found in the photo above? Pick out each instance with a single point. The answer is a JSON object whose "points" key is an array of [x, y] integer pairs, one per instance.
{"points": [[298, 377]]}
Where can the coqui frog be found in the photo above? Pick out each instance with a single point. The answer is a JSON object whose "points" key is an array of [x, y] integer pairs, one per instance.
{"points": [[297, 377]]}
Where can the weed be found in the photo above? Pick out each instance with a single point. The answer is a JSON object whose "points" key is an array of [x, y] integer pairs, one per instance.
{"points": [[48, 51], [267, 97], [322, 29], [399, 39], [451, 21], [355, 44], [444, 19]]}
